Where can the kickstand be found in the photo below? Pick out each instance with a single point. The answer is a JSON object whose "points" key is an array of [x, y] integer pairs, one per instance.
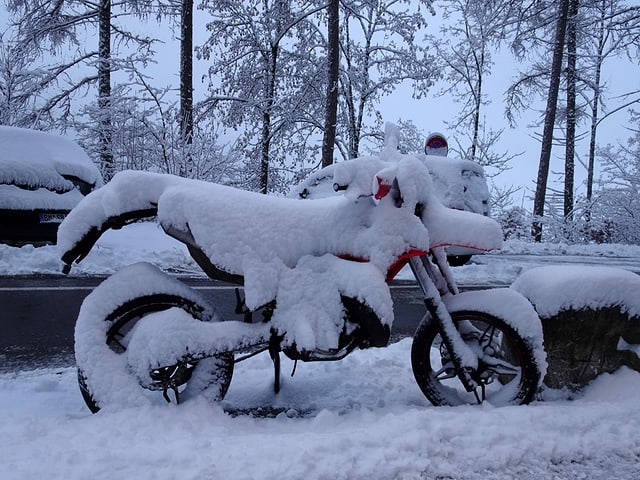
{"points": [[274, 353]]}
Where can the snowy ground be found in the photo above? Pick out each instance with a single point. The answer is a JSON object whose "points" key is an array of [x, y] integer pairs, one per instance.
{"points": [[360, 418]]}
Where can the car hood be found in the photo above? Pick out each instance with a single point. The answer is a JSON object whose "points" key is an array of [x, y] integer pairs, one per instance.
{"points": [[32, 160]]}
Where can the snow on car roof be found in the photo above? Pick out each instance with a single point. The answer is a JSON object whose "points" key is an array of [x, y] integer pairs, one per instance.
{"points": [[32, 159]]}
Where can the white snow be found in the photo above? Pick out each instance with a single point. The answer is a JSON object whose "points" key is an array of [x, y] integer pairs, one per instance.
{"points": [[312, 290], [16, 198], [33, 167], [360, 418]]}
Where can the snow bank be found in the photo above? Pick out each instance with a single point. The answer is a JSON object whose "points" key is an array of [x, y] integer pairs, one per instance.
{"points": [[554, 288]]}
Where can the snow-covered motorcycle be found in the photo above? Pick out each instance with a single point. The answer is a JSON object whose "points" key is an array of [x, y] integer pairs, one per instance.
{"points": [[315, 275]]}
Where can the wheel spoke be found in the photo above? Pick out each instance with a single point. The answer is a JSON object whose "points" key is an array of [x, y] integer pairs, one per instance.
{"points": [[503, 368]]}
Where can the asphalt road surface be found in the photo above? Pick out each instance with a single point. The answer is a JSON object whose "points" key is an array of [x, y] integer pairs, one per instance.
{"points": [[38, 314]]}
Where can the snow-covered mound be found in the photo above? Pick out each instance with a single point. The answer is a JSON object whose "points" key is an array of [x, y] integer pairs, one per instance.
{"points": [[555, 288]]}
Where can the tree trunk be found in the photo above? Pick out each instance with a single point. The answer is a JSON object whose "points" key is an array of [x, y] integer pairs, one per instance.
{"points": [[569, 161], [186, 87], [549, 121], [478, 104], [331, 106], [594, 114], [104, 89], [270, 88]]}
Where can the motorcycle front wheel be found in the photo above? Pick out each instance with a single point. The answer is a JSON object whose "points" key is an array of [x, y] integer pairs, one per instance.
{"points": [[507, 372]]}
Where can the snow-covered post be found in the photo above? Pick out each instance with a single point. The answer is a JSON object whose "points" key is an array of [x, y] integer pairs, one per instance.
{"points": [[590, 319]]}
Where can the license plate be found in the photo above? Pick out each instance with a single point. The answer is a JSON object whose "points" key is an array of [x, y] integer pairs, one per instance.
{"points": [[51, 217]]}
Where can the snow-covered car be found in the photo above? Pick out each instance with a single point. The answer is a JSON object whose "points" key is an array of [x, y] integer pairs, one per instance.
{"points": [[42, 177], [459, 184]]}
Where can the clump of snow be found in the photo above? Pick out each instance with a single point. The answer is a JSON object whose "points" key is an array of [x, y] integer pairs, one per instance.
{"points": [[166, 337], [309, 314], [458, 185], [231, 225], [124, 193], [461, 228], [310, 293], [554, 288], [17, 198], [33, 167]]}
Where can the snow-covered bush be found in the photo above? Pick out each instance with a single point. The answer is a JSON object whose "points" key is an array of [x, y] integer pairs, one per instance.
{"points": [[618, 199], [515, 223]]}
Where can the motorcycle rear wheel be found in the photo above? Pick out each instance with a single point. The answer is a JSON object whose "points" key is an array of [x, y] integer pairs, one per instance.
{"points": [[507, 371], [103, 376]]}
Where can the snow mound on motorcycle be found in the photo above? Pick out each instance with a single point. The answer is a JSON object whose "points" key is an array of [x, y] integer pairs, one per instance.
{"points": [[312, 292], [358, 178]]}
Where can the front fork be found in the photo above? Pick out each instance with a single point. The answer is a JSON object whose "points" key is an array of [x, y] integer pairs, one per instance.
{"points": [[464, 360]]}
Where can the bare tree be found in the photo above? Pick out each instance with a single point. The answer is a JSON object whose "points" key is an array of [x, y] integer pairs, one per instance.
{"points": [[379, 51], [57, 28], [263, 75], [617, 32], [472, 31], [35, 94], [585, 55], [186, 83], [617, 202], [104, 88], [570, 147]]}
